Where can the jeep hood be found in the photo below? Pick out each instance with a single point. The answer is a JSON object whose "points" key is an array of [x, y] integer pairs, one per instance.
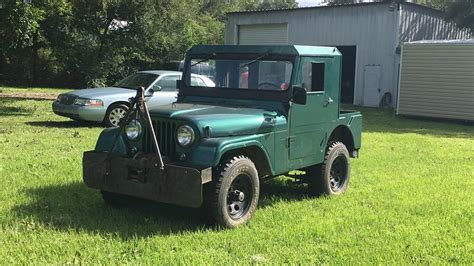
{"points": [[223, 121]]}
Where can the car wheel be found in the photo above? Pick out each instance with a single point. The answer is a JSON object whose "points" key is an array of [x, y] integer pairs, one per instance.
{"points": [[332, 176], [232, 197], [115, 114]]}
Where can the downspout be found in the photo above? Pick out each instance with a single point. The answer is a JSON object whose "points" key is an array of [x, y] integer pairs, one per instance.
{"points": [[397, 53]]}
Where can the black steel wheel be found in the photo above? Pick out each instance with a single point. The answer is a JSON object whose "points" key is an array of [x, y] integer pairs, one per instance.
{"points": [[239, 196], [332, 176], [338, 173], [232, 198]]}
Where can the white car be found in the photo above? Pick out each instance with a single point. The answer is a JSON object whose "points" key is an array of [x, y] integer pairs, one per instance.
{"points": [[109, 105]]}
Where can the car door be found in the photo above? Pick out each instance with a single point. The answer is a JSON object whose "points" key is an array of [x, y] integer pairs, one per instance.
{"points": [[309, 122], [165, 90]]}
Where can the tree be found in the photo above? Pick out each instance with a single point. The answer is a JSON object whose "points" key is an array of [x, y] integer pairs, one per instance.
{"points": [[277, 4], [462, 13], [78, 43], [438, 4], [21, 37]]}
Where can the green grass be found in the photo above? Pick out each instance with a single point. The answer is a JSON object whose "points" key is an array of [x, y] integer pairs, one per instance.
{"points": [[33, 90], [410, 200]]}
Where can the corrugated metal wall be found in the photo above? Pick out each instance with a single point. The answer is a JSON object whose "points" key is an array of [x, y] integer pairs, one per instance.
{"points": [[375, 29], [372, 28], [420, 23], [437, 80]]}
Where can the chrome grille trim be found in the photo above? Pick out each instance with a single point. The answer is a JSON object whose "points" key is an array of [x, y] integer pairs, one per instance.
{"points": [[67, 99]]}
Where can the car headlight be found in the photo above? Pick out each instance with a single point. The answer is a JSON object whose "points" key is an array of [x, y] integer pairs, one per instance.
{"points": [[185, 135], [88, 102], [133, 130]]}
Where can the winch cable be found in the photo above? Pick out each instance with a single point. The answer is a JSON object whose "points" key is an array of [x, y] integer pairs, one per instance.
{"points": [[137, 104]]}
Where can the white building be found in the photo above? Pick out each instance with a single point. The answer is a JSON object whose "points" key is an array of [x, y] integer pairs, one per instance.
{"points": [[368, 35]]}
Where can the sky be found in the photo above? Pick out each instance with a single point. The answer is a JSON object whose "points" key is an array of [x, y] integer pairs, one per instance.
{"points": [[303, 3]]}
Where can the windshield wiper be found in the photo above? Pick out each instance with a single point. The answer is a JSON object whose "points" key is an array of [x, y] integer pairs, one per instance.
{"points": [[200, 61], [253, 60]]}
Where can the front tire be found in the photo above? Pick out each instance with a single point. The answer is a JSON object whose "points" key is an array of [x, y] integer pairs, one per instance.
{"points": [[233, 196], [115, 114], [332, 176]]}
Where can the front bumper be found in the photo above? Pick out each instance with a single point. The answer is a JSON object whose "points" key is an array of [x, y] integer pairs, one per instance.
{"points": [[175, 184], [95, 114]]}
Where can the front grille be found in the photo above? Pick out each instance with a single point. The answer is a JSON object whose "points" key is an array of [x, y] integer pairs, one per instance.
{"points": [[165, 134], [67, 99]]}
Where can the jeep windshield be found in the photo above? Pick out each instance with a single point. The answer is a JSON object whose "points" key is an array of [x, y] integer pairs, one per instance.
{"points": [[254, 73]]}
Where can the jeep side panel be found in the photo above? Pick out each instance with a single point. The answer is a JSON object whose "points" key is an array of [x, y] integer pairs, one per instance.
{"points": [[310, 124]]}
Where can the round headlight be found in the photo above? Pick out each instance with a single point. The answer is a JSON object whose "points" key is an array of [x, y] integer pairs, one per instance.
{"points": [[133, 130], [185, 135]]}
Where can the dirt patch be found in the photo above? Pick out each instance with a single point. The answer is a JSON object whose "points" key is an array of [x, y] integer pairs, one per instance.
{"points": [[29, 95]]}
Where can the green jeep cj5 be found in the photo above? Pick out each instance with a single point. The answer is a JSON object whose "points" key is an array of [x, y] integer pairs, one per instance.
{"points": [[273, 109]]}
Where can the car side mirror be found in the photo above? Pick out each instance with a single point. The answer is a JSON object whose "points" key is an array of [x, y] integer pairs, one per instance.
{"points": [[299, 95], [156, 88], [149, 93]]}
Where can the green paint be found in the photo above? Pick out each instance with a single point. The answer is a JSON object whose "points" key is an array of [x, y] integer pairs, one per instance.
{"points": [[289, 135]]}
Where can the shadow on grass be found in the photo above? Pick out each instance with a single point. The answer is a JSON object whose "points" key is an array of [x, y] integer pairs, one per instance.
{"points": [[281, 189], [384, 121], [63, 124], [75, 207]]}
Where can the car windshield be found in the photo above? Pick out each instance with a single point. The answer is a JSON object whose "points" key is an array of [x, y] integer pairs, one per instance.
{"points": [[137, 80], [255, 73]]}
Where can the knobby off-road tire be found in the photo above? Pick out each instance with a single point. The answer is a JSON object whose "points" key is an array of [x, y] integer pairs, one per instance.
{"points": [[332, 176], [232, 197], [115, 114]]}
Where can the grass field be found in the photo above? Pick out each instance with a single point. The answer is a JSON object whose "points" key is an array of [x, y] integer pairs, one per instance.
{"points": [[33, 90], [410, 200]]}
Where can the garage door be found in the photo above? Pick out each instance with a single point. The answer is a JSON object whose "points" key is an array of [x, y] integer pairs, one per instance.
{"points": [[263, 34]]}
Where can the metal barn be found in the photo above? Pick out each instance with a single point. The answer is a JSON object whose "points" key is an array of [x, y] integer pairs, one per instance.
{"points": [[437, 80], [368, 35]]}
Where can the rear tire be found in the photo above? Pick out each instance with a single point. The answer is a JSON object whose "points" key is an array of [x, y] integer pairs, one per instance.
{"points": [[232, 197], [332, 176], [115, 115]]}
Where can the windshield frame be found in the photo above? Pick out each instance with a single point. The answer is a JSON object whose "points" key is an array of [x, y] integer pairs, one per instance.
{"points": [[237, 93]]}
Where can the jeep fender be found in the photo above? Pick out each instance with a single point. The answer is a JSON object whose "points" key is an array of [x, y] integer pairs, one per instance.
{"points": [[106, 138], [210, 152], [344, 134]]}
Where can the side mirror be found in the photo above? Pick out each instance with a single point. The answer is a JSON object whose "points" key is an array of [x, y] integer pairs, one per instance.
{"points": [[299, 95], [157, 88], [149, 93]]}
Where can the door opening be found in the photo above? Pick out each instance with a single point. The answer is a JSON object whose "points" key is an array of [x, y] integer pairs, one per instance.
{"points": [[348, 72]]}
